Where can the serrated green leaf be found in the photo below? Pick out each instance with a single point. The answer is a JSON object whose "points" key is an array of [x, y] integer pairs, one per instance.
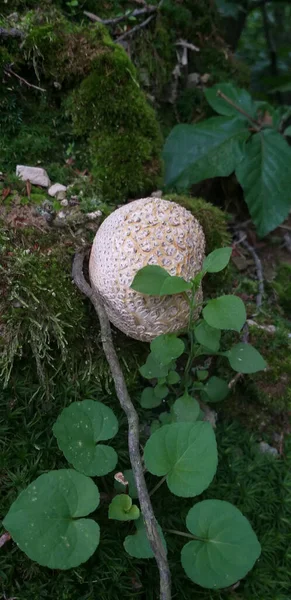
{"points": [[137, 545], [186, 453], [167, 347], [207, 336], [215, 390], [244, 358], [78, 430], [122, 509], [213, 148], [217, 260], [46, 522], [265, 177], [153, 369], [228, 547], [238, 96], [225, 312], [186, 409], [149, 399], [132, 490], [173, 378]]}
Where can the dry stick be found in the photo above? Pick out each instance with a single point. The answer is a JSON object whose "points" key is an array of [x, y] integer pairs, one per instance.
{"points": [[10, 72], [133, 427], [130, 32], [240, 110], [259, 270], [135, 13]]}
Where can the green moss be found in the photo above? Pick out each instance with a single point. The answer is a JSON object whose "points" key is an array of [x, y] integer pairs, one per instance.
{"points": [[282, 287], [124, 137], [212, 219]]}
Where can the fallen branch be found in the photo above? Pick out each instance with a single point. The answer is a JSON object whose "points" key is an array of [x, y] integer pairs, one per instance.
{"points": [[133, 427], [134, 29], [259, 269], [9, 72], [134, 13]]}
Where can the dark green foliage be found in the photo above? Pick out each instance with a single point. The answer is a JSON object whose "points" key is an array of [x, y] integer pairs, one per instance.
{"points": [[282, 287]]}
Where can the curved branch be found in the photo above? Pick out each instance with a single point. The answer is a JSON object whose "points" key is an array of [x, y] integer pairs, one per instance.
{"points": [[133, 427]]}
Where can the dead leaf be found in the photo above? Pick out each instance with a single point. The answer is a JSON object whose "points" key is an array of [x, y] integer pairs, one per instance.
{"points": [[6, 192], [4, 538]]}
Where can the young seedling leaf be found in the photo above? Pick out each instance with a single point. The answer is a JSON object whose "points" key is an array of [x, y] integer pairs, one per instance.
{"points": [[207, 336], [137, 545], [202, 374], [225, 312], [122, 509], [238, 96], [78, 430], [153, 369], [215, 390], [244, 358], [149, 280], [128, 475], [173, 378], [161, 391], [227, 549], [149, 399], [217, 260], [175, 285], [167, 347], [186, 453], [186, 409], [46, 520]]}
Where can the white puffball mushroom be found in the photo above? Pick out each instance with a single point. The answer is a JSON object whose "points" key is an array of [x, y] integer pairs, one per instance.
{"points": [[150, 231]]}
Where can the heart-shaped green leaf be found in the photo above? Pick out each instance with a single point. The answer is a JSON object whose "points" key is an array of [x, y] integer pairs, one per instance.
{"points": [[186, 453], [128, 475], [45, 520], [149, 399], [238, 96], [225, 312], [152, 369], [122, 509], [167, 347], [186, 409], [156, 281], [173, 378], [78, 430], [202, 374], [137, 545], [161, 391], [217, 260], [227, 549], [207, 336], [215, 390], [244, 358]]}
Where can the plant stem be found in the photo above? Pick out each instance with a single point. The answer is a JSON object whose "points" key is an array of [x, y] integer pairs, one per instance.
{"points": [[239, 109], [126, 404], [158, 485]]}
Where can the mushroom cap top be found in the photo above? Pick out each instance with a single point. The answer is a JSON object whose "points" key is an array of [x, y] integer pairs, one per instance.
{"points": [[147, 231]]}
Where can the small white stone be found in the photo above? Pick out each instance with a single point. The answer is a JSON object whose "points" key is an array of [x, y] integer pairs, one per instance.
{"points": [[267, 449], [62, 215], [65, 202], [56, 188], [36, 175], [94, 215]]}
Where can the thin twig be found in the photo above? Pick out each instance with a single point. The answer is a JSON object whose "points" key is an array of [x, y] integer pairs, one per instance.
{"points": [[259, 270], [9, 71], [133, 428], [239, 109], [134, 13], [130, 32]]}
